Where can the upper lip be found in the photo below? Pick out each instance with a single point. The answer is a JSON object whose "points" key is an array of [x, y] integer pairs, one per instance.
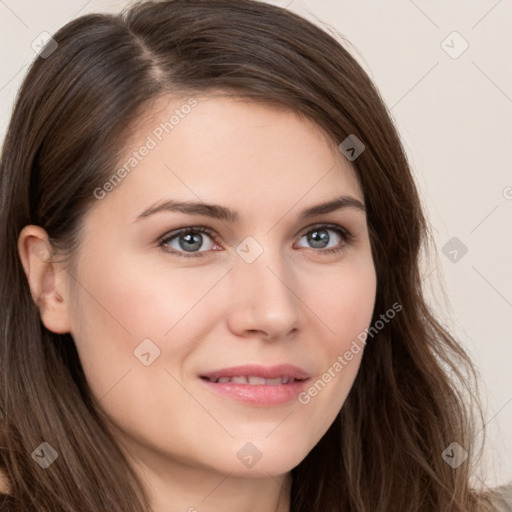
{"points": [[267, 372]]}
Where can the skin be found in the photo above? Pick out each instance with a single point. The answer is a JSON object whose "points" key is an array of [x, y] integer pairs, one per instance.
{"points": [[291, 305]]}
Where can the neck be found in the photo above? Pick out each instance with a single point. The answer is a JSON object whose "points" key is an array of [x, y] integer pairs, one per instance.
{"points": [[173, 487]]}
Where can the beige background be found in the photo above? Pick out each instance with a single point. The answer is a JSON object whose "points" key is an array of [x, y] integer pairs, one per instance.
{"points": [[454, 115]]}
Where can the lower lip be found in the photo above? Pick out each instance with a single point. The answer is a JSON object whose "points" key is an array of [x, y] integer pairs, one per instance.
{"points": [[258, 395]]}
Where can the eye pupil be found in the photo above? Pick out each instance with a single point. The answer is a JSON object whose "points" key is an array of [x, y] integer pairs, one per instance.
{"points": [[318, 236], [189, 238]]}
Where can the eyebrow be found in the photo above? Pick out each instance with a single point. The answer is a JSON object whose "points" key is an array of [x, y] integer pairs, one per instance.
{"points": [[216, 211]]}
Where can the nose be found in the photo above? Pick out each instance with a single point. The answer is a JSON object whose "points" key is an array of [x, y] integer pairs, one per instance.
{"points": [[263, 303]]}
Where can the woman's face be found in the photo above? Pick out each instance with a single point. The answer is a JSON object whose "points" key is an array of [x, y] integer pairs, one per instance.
{"points": [[157, 312]]}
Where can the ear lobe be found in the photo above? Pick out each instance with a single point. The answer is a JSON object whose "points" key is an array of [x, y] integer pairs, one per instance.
{"points": [[46, 278]]}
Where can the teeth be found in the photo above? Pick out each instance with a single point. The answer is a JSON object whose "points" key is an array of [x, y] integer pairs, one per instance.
{"points": [[274, 382], [254, 380], [239, 380]]}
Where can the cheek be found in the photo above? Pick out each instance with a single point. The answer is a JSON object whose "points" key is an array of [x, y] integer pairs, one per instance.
{"points": [[345, 303], [151, 300], [346, 309], [123, 304]]}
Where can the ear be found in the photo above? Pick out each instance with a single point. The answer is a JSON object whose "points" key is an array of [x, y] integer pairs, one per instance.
{"points": [[46, 278]]}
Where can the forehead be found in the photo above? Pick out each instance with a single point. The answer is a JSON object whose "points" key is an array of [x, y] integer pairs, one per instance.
{"points": [[229, 150]]}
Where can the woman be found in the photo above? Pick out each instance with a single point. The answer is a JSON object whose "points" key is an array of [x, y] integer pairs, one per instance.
{"points": [[175, 182]]}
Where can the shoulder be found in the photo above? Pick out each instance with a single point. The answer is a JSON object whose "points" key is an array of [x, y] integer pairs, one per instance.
{"points": [[4, 488], [504, 494], [4, 485]]}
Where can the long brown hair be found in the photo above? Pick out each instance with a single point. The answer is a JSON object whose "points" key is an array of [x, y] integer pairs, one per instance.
{"points": [[412, 396]]}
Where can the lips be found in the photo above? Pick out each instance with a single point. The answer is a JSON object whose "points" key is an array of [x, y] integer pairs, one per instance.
{"points": [[253, 380], [258, 386], [256, 374]]}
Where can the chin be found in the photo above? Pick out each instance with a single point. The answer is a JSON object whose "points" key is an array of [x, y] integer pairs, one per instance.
{"points": [[262, 457]]}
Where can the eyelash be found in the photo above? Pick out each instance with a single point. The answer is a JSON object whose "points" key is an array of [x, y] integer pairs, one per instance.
{"points": [[346, 236]]}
